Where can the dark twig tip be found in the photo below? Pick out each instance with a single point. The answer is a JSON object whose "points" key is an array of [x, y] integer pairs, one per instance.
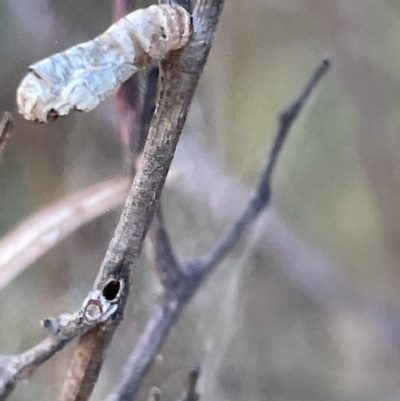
{"points": [[160, 252], [263, 193], [326, 62], [195, 370], [186, 4], [6, 127], [47, 323], [193, 378], [192, 394]]}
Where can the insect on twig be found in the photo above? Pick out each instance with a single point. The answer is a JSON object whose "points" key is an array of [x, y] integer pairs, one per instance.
{"points": [[85, 74]]}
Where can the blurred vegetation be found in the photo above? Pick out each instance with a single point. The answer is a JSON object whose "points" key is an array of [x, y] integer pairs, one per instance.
{"points": [[256, 334]]}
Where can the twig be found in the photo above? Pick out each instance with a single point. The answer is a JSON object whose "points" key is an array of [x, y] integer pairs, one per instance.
{"points": [[160, 253], [186, 4], [307, 268], [127, 100], [128, 107], [123, 7], [85, 364], [191, 393], [176, 297], [42, 231], [263, 191], [149, 103], [62, 330], [179, 77], [6, 127]]}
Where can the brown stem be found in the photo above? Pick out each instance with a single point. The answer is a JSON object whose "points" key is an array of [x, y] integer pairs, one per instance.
{"points": [[160, 253], [149, 103], [192, 394], [46, 228], [263, 192], [6, 127], [127, 101], [62, 330], [85, 365]]}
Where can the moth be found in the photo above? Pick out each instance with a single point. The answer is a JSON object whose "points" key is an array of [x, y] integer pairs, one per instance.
{"points": [[85, 74]]}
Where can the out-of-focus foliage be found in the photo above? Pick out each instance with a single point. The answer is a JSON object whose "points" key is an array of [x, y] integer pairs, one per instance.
{"points": [[255, 332]]}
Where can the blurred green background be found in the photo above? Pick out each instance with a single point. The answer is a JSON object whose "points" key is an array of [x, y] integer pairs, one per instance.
{"points": [[261, 329]]}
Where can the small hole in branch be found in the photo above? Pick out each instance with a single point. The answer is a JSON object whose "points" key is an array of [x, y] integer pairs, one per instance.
{"points": [[112, 290]]}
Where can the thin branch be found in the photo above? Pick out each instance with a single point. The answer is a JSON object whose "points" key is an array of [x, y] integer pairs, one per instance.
{"points": [[85, 365], [128, 107], [150, 342], [176, 297], [307, 268], [186, 4], [6, 127], [263, 191], [149, 103], [127, 100], [62, 330], [46, 228], [123, 7], [191, 394], [160, 253]]}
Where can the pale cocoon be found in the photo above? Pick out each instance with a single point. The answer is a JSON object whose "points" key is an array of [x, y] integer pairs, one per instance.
{"points": [[83, 75]]}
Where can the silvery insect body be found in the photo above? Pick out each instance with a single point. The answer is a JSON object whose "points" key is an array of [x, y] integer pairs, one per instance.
{"points": [[96, 308], [82, 76]]}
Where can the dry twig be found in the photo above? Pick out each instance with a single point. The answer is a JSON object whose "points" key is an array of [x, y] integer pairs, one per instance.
{"points": [[42, 231], [178, 293], [6, 127], [191, 394], [127, 100], [62, 330], [159, 251], [263, 191]]}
